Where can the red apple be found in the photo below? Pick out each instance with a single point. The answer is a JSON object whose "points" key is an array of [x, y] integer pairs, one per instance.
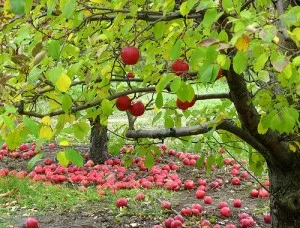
{"points": [[176, 224], [23, 147], [200, 194], [130, 75], [168, 222], [267, 218], [183, 105], [137, 108], [202, 182], [179, 217], [205, 223], [263, 193], [179, 67], [237, 203], [207, 200], [230, 226], [122, 202], [254, 193], [225, 211], [222, 204], [123, 103], [31, 223], [235, 181], [165, 205], [189, 184], [130, 55], [220, 74]]}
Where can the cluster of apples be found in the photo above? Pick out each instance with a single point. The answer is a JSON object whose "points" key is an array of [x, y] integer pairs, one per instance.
{"points": [[25, 151], [136, 108]]}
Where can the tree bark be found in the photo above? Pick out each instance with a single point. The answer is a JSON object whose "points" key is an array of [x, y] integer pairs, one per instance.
{"points": [[285, 196], [98, 142]]}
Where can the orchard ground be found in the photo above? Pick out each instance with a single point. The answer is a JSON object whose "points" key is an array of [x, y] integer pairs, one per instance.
{"points": [[69, 205]]}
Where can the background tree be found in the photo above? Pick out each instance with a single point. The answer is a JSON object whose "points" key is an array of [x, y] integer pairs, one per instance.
{"points": [[61, 66]]}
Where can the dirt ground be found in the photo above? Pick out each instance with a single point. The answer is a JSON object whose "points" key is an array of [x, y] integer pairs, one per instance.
{"points": [[98, 215]]}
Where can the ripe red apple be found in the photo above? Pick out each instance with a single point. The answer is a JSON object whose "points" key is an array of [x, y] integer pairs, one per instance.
{"points": [[189, 184], [186, 211], [254, 193], [48, 161], [207, 200], [183, 105], [122, 202], [263, 193], [23, 147], [244, 175], [222, 150], [123, 103], [230, 226], [31, 223], [202, 182], [179, 67], [198, 207], [137, 108], [140, 196], [205, 223], [225, 211], [234, 172], [165, 205], [245, 223], [214, 185], [267, 218], [235, 181], [237, 203], [157, 226], [168, 222], [222, 204], [200, 194], [130, 75], [176, 224], [243, 216], [130, 55], [179, 217]]}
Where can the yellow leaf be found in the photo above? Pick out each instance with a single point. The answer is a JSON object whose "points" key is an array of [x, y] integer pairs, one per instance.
{"points": [[276, 39], [96, 1], [292, 148], [64, 143], [46, 120], [261, 130], [7, 9], [242, 43], [63, 83], [46, 133]]}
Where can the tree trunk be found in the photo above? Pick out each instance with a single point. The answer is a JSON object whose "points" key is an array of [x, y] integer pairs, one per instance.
{"points": [[285, 196], [98, 142]]}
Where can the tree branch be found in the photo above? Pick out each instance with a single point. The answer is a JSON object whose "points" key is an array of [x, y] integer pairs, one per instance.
{"points": [[250, 119], [148, 17]]}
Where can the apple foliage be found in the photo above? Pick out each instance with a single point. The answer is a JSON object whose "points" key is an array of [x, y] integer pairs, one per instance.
{"points": [[62, 64]]}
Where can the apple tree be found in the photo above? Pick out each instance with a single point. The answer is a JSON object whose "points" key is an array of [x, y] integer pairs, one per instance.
{"points": [[64, 62]]}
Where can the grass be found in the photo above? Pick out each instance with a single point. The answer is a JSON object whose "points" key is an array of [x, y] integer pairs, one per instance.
{"points": [[27, 199]]}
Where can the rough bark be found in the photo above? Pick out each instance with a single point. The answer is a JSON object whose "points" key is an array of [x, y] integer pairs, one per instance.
{"points": [[285, 196], [98, 142]]}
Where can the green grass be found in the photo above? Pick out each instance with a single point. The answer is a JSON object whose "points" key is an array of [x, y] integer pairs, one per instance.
{"points": [[28, 199]]}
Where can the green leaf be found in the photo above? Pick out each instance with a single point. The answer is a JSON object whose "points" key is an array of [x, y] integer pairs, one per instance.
{"points": [[67, 7], [159, 101], [240, 62], [81, 130], [260, 62], [156, 117], [159, 30], [209, 162], [227, 5], [17, 7], [149, 160], [50, 6], [169, 122], [168, 6], [176, 50], [74, 156], [34, 160], [128, 160], [28, 6], [32, 125], [54, 49], [175, 85], [107, 107], [62, 159], [200, 161], [9, 123], [210, 17], [208, 72], [54, 74], [13, 140], [163, 82], [66, 103]]}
